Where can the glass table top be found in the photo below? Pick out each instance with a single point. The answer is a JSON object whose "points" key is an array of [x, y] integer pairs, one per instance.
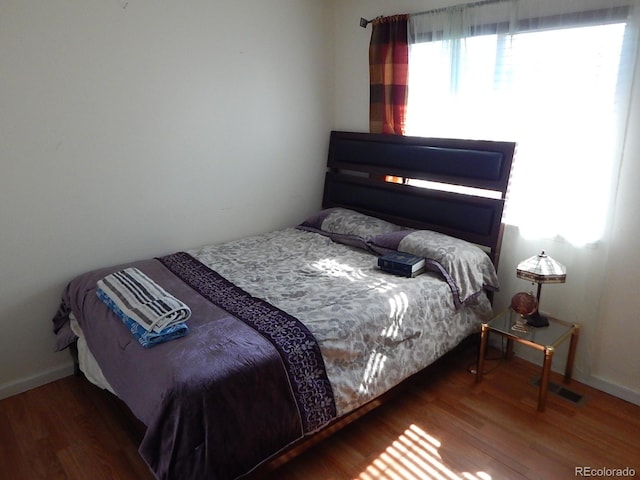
{"points": [[550, 336]]}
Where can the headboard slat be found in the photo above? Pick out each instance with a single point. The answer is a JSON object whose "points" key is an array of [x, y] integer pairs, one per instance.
{"points": [[473, 163]]}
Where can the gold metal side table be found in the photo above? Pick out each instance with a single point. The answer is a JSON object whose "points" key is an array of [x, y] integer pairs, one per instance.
{"points": [[545, 339]]}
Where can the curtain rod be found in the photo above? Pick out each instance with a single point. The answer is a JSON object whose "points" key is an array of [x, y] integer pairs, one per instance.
{"points": [[364, 22]]}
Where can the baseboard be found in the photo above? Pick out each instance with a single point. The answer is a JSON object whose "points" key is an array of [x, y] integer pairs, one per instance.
{"points": [[613, 389], [34, 381]]}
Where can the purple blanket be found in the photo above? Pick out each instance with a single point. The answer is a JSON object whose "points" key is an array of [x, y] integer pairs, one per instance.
{"points": [[246, 381]]}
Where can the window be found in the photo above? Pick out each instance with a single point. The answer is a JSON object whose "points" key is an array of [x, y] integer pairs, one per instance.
{"points": [[556, 89]]}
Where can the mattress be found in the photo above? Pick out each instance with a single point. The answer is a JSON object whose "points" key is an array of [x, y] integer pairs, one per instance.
{"points": [[372, 329], [377, 347]]}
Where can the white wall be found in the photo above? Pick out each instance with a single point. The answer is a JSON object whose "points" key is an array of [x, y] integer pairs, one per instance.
{"points": [[600, 293], [617, 353], [131, 132]]}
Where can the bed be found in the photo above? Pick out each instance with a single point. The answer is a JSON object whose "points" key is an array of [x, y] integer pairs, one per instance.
{"points": [[296, 332]]}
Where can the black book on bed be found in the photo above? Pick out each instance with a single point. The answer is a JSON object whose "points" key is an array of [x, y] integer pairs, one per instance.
{"points": [[403, 264]]}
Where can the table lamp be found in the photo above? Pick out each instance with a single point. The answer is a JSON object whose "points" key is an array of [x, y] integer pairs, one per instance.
{"points": [[541, 269]]}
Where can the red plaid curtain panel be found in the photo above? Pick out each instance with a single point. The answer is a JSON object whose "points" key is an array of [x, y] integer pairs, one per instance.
{"points": [[388, 71]]}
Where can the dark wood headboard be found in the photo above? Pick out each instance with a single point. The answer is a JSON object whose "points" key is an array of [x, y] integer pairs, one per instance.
{"points": [[358, 162]]}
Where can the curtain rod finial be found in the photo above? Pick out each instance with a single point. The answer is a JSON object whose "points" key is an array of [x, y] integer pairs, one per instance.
{"points": [[364, 22]]}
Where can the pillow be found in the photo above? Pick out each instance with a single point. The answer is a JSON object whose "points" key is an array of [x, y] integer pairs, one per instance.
{"points": [[466, 268], [347, 226]]}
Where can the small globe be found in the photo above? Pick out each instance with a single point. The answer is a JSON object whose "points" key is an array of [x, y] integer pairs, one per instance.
{"points": [[524, 303]]}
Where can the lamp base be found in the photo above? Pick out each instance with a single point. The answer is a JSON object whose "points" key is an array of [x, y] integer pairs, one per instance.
{"points": [[537, 320]]}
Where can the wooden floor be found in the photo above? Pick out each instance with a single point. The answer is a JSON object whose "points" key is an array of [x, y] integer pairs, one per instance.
{"points": [[444, 427]]}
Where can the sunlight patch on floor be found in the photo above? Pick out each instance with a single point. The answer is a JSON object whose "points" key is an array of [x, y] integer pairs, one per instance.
{"points": [[414, 456]]}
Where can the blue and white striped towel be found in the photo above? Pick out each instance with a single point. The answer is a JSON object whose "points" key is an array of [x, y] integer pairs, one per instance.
{"points": [[144, 301], [146, 339]]}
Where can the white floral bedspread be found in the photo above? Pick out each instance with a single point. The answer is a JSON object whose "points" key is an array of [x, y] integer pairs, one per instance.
{"points": [[374, 329]]}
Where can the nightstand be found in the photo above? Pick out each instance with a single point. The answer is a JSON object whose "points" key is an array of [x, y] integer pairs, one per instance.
{"points": [[545, 339]]}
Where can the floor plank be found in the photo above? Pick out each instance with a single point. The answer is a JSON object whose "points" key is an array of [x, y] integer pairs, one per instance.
{"points": [[444, 426]]}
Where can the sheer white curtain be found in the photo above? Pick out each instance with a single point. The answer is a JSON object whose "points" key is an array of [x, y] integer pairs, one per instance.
{"points": [[555, 77]]}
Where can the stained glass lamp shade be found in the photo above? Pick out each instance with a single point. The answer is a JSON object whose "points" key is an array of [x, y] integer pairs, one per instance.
{"points": [[541, 269]]}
